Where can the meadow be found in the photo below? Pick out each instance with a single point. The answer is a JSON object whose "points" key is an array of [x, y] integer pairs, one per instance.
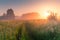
{"points": [[29, 30]]}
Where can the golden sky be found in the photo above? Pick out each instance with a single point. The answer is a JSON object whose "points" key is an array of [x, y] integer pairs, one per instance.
{"points": [[25, 6]]}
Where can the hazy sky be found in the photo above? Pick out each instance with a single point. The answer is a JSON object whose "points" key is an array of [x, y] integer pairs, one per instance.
{"points": [[25, 6]]}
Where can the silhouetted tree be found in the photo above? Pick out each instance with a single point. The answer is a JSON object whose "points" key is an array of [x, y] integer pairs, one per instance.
{"points": [[52, 16], [10, 14]]}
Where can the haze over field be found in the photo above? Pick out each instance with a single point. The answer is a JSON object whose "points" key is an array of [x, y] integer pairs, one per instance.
{"points": [[26, 6]]}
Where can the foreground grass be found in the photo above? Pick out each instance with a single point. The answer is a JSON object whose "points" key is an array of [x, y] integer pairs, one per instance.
{"points": [[9, 29], [20, 30]]}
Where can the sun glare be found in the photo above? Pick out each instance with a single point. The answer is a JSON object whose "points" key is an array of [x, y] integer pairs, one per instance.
{"points": [[46, 14], [45, 11]]}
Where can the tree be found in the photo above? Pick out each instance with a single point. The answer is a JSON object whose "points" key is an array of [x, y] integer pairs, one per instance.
{"points": [[52, 16], [10, 14]]}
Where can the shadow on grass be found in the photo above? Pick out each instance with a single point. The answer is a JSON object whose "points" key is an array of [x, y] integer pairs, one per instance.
{"points": [[28, 32]]}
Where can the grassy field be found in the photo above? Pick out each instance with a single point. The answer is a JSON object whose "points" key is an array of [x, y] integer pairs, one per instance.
{"points": [[29, 30], [9, 29]]}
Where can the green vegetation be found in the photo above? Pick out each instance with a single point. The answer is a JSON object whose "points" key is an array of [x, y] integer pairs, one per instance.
{"points": [[21, 30]]}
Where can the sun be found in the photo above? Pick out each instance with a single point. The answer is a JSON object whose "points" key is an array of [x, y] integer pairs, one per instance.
{"points": [[45, 14]]}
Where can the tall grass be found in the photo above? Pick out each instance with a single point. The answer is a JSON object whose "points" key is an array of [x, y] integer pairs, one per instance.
{"points": [[26, 30], [49, 31]]}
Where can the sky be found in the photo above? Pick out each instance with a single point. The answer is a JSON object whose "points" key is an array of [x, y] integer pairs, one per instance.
{"points": [[25, 6]]}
